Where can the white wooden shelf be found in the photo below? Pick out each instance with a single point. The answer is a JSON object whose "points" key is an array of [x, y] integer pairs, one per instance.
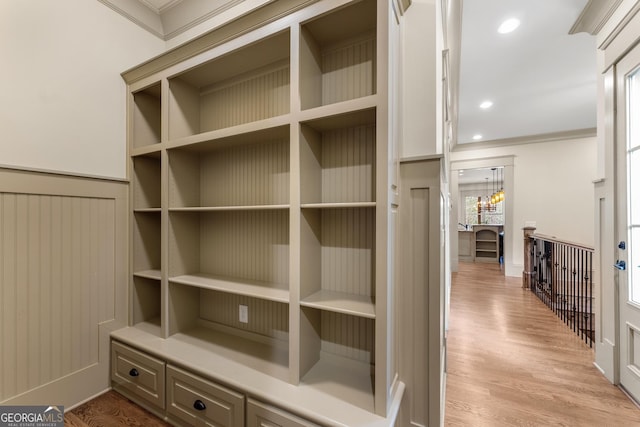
{"points": [[147, 210], [271, 128], [338, 205], [340, 302], [151, 326], [149, 274], [343, 378], [263, 290], [270, 357], [229, 208]]}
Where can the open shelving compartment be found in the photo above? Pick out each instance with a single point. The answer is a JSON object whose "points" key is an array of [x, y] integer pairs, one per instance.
{"points": [[338, 55], [338, 160], [220, 260], [146, 243], [146, 182], [337, 355], [243, 86], [239, 172], [146, 116]]}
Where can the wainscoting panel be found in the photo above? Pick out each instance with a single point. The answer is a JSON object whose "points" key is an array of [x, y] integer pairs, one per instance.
{"points": [[63, 252]]}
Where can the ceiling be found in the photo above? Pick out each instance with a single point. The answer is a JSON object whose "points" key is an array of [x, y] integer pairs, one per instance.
{"points": [[540, 79]]}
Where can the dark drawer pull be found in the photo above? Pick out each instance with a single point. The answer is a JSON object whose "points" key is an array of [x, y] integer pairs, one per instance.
{"points": [[134, 372], [199, 405]]}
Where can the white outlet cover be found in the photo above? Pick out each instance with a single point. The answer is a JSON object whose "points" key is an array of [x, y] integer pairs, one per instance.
{"points": [[244, 314]]}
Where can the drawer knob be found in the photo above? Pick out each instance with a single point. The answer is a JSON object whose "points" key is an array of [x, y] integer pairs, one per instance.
{"points": [[134, 372], [199, 405]]}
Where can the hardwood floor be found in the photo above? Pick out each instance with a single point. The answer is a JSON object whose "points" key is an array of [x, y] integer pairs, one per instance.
{"points": [[512, 362], [111, 409]]}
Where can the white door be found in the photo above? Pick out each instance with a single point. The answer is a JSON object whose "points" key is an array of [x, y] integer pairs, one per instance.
{"points": [[628, 217]]}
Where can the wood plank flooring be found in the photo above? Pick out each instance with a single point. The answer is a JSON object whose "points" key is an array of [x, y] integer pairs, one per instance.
{"points": [[111, 409], [512, 362]]}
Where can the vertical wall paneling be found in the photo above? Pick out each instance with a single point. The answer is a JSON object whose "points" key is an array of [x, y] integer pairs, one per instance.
{"points": [[348, 159], [238, 175], [420, 292], [348, 251], [58, 259], [267, 94], [348, 336], [348, 70], [251, 245]]}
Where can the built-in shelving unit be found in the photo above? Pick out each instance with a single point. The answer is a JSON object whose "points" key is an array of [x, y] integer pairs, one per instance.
{"points": [[487, 243], [259, 231]]}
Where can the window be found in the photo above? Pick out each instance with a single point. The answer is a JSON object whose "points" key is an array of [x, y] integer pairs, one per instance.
{"points": [[494, 216]]}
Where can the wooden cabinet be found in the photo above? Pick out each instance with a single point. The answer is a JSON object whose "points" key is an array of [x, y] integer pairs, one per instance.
{"points": [[262, 187], [138, 375], [262, 415], [192, 400]]}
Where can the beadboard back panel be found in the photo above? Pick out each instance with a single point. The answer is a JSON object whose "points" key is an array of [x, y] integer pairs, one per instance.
{"points": [[348, 251], [62, 261], [251, 245], [267, 318], [224, 105], [348, 70], [256, 174]]}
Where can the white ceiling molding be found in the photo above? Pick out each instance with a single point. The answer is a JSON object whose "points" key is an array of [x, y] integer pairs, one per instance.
{"points": [[159, 6], [139, 14], [167, 19], [595, 14], [187, 15], [529, 139]]}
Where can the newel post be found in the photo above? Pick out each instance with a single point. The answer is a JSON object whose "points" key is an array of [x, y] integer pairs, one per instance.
{"points": [[528, 259]]}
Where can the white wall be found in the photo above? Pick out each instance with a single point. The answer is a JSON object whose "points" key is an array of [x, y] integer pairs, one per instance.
{"points": [[552, 186], [419, 80], [63, 100]]}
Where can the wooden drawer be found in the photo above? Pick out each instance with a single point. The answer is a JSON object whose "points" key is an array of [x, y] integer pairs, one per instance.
{"points": [[262, 415], [136, 373], [197, 402]]}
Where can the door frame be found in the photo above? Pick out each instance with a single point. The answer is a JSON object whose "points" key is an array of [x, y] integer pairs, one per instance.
{"points": [[507, 163]]}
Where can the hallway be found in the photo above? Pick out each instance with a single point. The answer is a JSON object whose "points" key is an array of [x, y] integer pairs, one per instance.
{"points": [[512, 362]]}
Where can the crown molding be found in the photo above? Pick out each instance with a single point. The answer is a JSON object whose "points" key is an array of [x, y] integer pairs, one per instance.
{"points": [[137, 13], [174, 18], [594, 16], [530, 139]]}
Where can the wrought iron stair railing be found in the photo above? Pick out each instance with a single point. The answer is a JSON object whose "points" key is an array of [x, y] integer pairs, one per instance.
{"points": [[561, 275]]}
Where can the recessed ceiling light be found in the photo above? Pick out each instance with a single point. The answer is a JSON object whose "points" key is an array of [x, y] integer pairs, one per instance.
{"points": [[477, 137], [486, 104], [508, 26]]}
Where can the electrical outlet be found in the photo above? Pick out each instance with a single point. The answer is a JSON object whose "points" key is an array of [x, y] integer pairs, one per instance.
{"points": [[244, 314]]}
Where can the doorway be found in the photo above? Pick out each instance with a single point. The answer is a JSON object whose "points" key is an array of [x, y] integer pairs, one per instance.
{"points": [[471, 180]]}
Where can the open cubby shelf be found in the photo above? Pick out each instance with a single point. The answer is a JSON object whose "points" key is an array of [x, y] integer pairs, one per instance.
{"points": [[338, 159], [247, 170], [146, 116], [338, 56], [247, 246], [255, 182], [211, 317], [247, 85], [337, 355]]}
